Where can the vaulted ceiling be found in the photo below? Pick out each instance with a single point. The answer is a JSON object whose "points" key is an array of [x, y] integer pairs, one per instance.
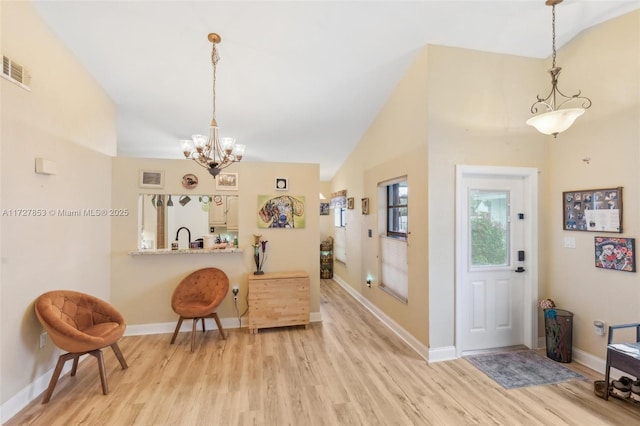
{"points": [[298, 81]]}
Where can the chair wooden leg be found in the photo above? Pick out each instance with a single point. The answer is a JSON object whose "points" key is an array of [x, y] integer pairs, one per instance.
{"points": [[175, 333], [103, 372], [56, 374], [193, 333], [219, 324], [75, 365], [203, 329], [118, 352]]}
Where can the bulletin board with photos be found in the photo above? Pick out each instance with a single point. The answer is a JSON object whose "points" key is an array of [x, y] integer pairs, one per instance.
{"points": [[592, 210]]}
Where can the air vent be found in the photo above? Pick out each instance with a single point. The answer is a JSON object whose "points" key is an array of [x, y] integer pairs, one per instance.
{"points": [[15, 73]]}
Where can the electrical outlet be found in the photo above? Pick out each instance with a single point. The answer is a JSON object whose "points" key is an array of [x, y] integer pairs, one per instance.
{"points": [[43, 339]]}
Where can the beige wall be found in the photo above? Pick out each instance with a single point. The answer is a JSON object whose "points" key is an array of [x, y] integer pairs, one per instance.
{"points": [[607, 71], [49, 252], [142, 285], [393, 146]]}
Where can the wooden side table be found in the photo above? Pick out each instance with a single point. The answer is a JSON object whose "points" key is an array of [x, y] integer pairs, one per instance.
{"points": [[278, 299]]}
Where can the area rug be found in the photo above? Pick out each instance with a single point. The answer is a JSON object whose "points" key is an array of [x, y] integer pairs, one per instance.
{"points": [[519, 369]]}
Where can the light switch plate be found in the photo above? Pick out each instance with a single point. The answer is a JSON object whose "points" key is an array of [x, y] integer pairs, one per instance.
{"points": [[569, 242]]}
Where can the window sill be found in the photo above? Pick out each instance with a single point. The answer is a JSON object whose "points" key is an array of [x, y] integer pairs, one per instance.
{"points": [[393, 294]]}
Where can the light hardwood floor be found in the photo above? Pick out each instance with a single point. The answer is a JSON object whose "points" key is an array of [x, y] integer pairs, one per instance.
{"points": [[348, 370]]}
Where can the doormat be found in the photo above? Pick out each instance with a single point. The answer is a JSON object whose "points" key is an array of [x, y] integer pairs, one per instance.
{"points": [[520, 369]]}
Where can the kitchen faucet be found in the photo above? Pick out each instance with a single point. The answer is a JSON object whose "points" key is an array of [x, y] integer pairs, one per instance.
{"points": [[188, 233]]}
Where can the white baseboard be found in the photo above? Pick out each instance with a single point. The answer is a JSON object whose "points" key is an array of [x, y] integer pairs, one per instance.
{"points": [[593, 362], [210, 324], [30, 392], [20, 400], [414, 343], [445, 353]]}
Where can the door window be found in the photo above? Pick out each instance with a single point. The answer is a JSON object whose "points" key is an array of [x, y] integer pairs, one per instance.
{"points": [[489, 227]]}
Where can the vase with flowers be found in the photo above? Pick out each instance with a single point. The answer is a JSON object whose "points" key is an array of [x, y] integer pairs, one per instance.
{"points": [[259, 253]]}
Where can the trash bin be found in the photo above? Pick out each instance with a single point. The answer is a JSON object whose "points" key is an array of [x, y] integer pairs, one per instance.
{"points": [[558, 327]]}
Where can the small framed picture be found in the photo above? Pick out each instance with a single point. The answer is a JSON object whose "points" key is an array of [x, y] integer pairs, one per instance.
{"points": [[350, 203], [282, 184], [365, 206], [227, 182], [151, 179], [324, 209], [615, 253]]}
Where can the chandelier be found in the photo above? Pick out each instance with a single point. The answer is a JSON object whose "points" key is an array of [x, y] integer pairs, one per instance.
{"points": [[212, 152], [555, 119]]}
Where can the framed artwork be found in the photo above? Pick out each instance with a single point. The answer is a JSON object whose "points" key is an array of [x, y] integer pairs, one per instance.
{"points": [[227, 182], [283, 211], [350, 203], [189, 181], [282, 184], [365, 206], [594, 210], [324, 209], [151, 179], [615, 253]]}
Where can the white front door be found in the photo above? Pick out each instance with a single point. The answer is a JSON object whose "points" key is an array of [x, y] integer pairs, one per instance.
{"points": [[492, 279]]}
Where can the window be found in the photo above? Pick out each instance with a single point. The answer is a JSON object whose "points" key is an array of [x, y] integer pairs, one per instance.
{"points": [[393, 238], [489, 225], [340, 218], [397, 211], [340, 240], [339, 206]]}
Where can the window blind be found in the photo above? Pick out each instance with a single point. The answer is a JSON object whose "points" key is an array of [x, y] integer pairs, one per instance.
{"points": [[340, 245], [394, 267]]}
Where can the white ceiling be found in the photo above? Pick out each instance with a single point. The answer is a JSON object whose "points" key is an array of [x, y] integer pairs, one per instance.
{"points": [[298, 81]]}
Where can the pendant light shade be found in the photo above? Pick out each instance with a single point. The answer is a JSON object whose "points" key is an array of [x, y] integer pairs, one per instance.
{"points": [[554, 122]]}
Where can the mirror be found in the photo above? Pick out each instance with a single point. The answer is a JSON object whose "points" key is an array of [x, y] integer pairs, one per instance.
{"points": [[164, 217]]}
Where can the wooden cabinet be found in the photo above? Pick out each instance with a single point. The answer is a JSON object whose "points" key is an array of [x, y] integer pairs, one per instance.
{"points": [[223, 211], [232, 213], [278, 299], [218, 211]]}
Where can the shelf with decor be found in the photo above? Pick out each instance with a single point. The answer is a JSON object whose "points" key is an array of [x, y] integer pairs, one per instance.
{"points": [[326, 259]]}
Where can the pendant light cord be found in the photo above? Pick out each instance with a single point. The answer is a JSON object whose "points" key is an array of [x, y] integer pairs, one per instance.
{"points": [[553, 34]]}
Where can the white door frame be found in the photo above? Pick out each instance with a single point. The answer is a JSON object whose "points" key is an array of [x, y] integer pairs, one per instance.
{"points": [[530, 204]]}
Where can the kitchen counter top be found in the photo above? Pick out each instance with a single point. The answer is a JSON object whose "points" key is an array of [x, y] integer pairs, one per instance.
{"points": [[156, 252]]}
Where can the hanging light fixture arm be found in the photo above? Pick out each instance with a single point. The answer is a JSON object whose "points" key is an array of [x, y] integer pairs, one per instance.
{"points": [[550, 103]]}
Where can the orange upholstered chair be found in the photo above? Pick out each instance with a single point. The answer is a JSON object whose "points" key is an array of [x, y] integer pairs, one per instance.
{"points": [[80, 324], [197, 297]]}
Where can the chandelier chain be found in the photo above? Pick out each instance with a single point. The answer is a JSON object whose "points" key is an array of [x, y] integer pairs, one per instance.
{"points": [[214, 61]]}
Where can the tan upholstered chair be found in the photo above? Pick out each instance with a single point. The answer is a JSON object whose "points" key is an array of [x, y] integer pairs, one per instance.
{"points": [[197, 297], [80, 324]]}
